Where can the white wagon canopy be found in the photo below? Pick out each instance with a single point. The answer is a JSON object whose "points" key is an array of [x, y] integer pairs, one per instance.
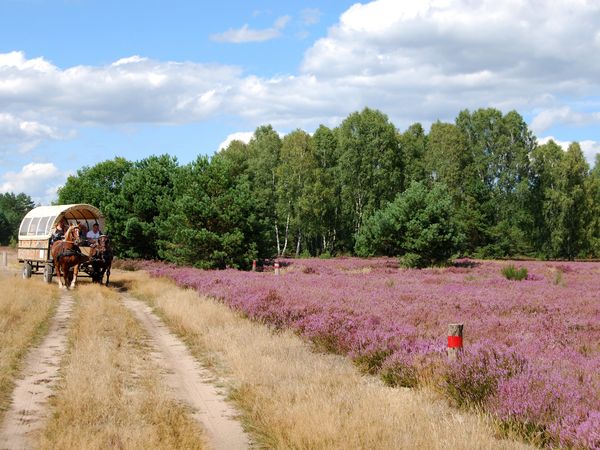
{"points": [[39, 223]]}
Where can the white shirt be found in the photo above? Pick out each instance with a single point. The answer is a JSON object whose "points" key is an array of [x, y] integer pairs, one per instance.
{"points": [[91, 235]]}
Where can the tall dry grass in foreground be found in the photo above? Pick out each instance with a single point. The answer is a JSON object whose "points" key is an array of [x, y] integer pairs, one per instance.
{"points": [[294, 398], [110, 394], [25, 309]]}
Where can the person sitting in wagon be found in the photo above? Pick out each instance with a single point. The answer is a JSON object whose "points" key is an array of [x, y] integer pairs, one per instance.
{"points": [[94, 233], [83, 230], [59, 231]]}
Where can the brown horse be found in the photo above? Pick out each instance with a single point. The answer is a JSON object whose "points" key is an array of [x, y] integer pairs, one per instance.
{"points": [[66, 255], [101, 257]]}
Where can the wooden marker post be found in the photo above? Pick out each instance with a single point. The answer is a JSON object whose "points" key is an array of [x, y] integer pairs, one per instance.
{"points": [[277, 272], [455, 340], [4, 259], [253, 265]]}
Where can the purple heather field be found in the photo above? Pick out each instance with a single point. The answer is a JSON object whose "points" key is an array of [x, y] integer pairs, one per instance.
{"points": [[532, 347]]}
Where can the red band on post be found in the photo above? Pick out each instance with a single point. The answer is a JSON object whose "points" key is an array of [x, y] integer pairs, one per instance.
{"points": [[455, 342]]}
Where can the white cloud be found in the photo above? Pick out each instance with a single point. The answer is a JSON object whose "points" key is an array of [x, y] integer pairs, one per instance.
{"points": [[32, 179], [247, 34], [281, 22], [434, 57], [589, 148], [17, 60], [131, 90], [424, 61], [416, 61], [23, 135], [129, 60], [310, 16], [563, 115], [243, 136]]}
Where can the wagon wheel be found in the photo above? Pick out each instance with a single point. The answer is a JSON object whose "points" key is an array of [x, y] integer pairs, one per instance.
{"points": [[87, 268], [95, 274], [48, 272], [27, 269]]}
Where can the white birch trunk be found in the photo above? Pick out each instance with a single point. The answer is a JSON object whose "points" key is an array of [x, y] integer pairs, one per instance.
{"points": [[298, 244], [287, 229], [277, 238]]}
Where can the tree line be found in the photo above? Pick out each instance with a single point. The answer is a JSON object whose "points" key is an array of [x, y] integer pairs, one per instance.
{"points": [[481, 186]]}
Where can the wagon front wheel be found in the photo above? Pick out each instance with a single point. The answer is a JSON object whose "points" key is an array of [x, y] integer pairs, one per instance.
{"points": [[27, 269], [48, 272]]}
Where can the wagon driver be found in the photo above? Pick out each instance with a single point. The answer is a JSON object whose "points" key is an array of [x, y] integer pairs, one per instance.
{"points": [[59, 232]]}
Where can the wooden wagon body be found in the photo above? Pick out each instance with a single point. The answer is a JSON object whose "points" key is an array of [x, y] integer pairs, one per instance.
{"points": [[36, 232]]}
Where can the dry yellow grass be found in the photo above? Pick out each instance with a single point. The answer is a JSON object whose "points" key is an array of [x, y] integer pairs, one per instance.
{"points": [[295, 398], [25, 308], [110, 394], [13, 262]]}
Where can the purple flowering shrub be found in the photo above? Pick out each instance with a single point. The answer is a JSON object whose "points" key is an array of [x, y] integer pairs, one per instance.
{"points": [[532, 347], [401, 369], [474, 378]]}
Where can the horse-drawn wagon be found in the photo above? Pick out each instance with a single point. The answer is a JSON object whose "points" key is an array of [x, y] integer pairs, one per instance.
{"points": [[36, 232]]}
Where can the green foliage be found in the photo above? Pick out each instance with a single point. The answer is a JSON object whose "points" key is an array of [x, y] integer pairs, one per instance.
{"points": [[413, 147], [569, 236], [563, 202], [479, 186], [511, 272], [420, 225], [447, 158], [263, 158], [505, 240], [494, 179], [211, 221], [295, 177], [5, 229], [593, 189], [12, 210], [134, 214], [322, 199], [370, 164], [411, 261], [96, 185]]}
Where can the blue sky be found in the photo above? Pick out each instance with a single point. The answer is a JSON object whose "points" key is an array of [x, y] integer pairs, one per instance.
{"points": [[82, 32], [83, 81]]}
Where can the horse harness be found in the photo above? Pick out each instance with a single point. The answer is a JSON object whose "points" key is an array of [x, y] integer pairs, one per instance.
{"points": [[73, 251]]}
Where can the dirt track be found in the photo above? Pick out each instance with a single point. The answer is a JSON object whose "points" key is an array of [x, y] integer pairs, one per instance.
{"points": [[190, 382], [28, 410]]}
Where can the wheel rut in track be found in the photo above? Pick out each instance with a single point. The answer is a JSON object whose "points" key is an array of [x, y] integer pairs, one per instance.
{"points": [[28, 409], [189, 381]]}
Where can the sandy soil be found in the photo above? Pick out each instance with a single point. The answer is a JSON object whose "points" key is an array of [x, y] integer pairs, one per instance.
{"points": [[28, 411], [190, 382]]}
